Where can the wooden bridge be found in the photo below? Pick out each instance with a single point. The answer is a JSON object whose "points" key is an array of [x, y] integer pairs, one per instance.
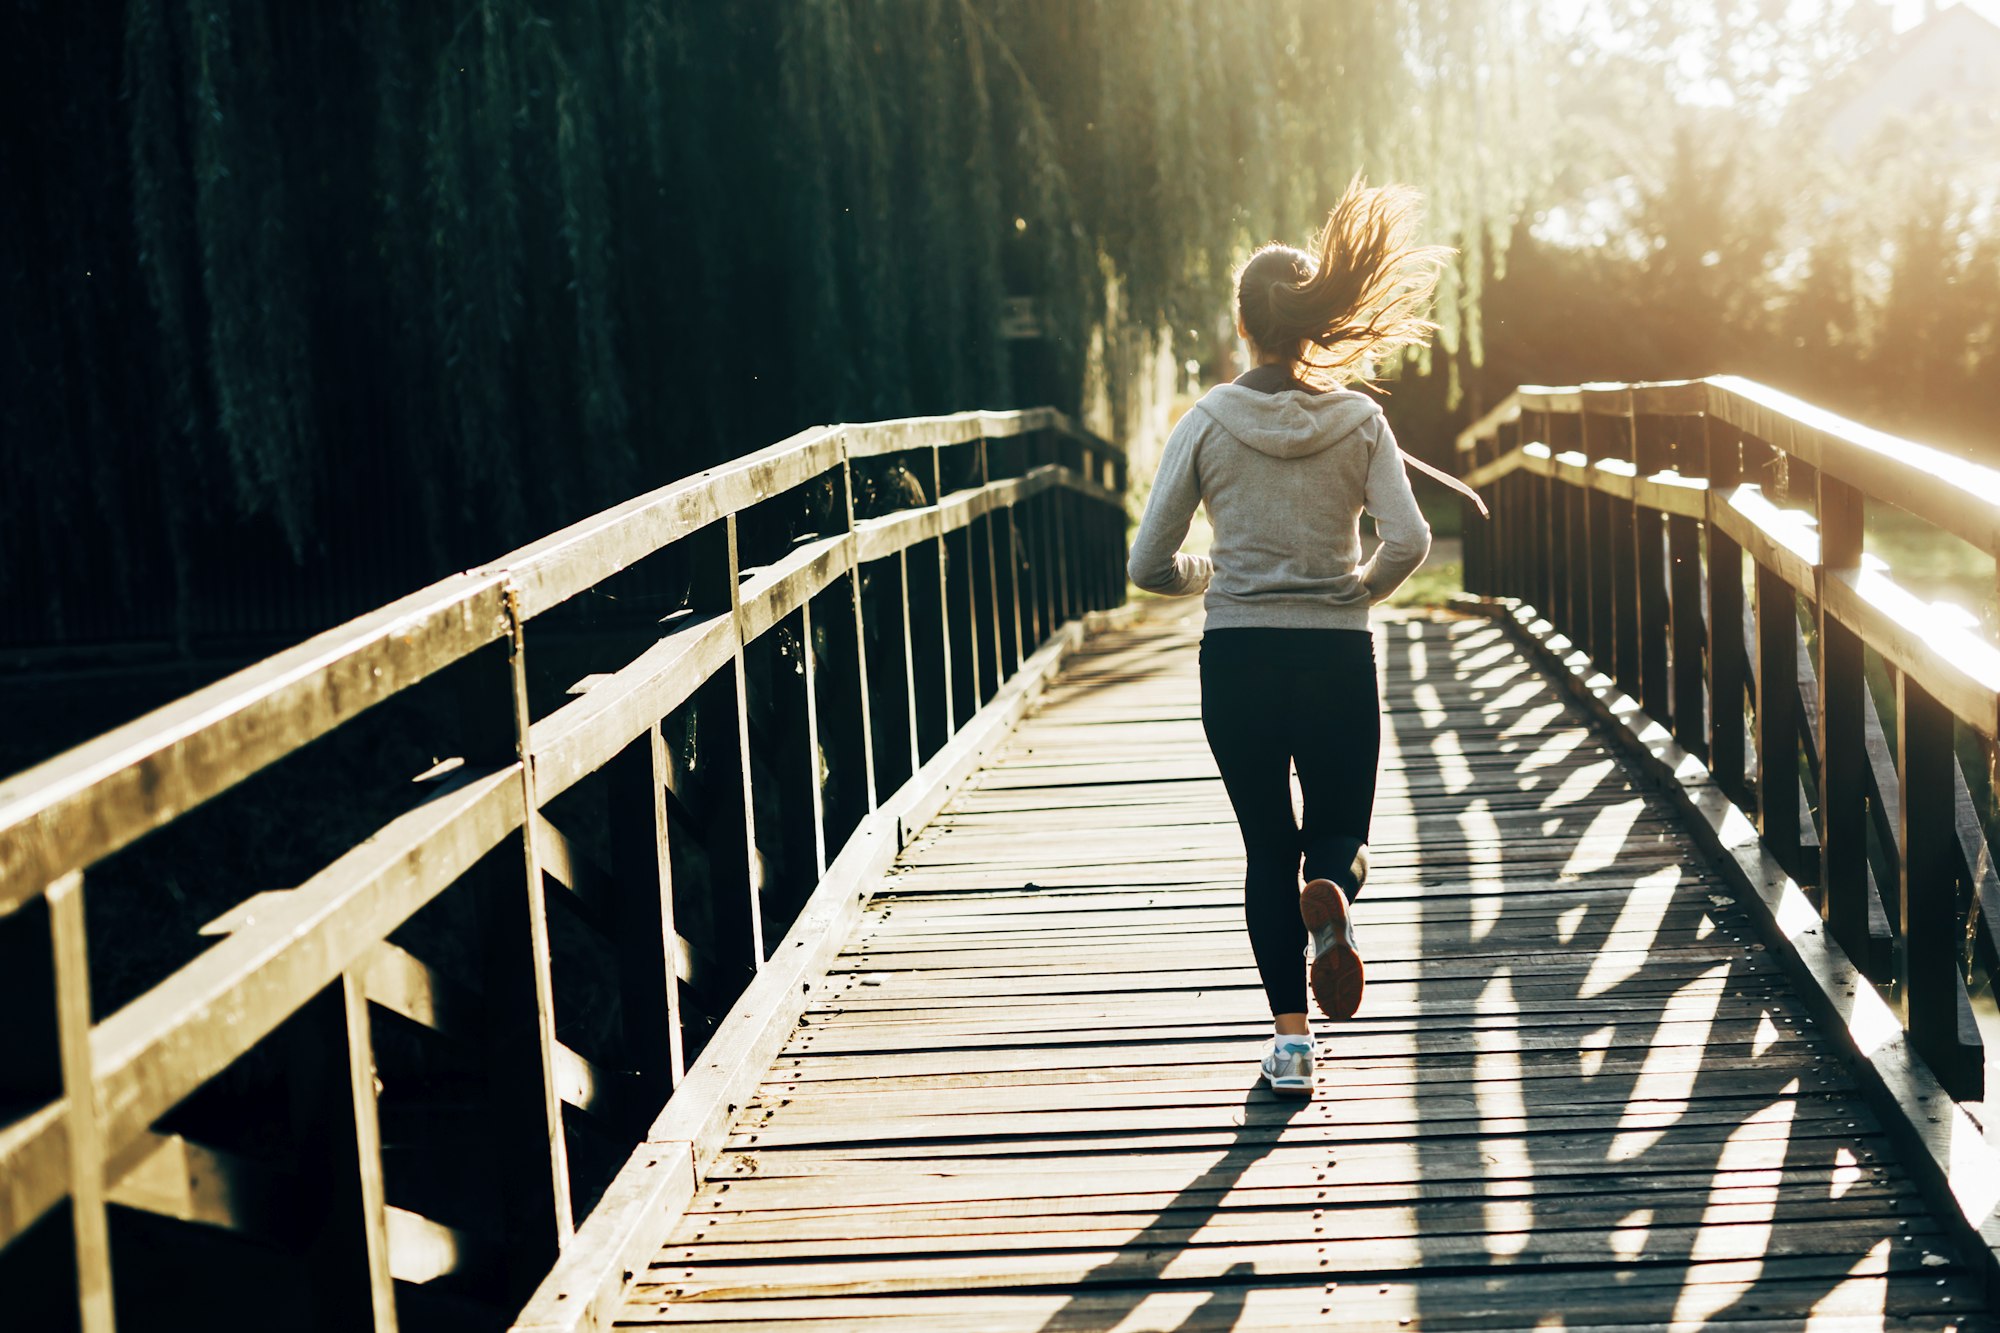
{"points": [[834, 922]]}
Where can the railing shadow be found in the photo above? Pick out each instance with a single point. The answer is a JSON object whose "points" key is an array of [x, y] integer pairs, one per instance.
{"points": [[1647, 1119]]}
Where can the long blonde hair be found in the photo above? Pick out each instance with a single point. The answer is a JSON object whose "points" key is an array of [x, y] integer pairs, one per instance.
{"points": [[1362, 295]]}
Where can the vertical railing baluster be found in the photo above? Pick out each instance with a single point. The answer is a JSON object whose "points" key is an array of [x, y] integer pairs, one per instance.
{"points": [[1581, 559], [860, 632], [1511, 527], [1725, 619], [1595, 557], [1928, 981], [909, 659], [808, 661], [1649, 456], [1777, 614], [1553, 531], [944, 618], [1065, 602], [1007, 538], [989, 590], [1843, 761], [645, 935], [371, 1194], [1684, 588], [519, 987], [754, 866], [334, 1127], [89, 1219], [1473, 566], [1621, 537]]}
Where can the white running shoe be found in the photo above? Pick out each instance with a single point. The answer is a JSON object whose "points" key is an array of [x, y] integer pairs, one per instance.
{"points": [[1288, 1066]]}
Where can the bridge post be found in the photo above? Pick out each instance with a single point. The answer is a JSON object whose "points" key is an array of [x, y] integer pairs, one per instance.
{"points": [[1503, 537], [1551, 529], [1477, 555], [909, 663], [646, 938], [860, 635], [930, 635], [1650, 448], [962, 614], [518, 1048], [1622, 632], [987, 590], [1064, 504], [89, 1220], [1725, 619], [1842, 741], [1596, 554], [751, 919], [1684, 590], [335, 1120], [940, 555], [1777, 618], [1570, 609], [1929, 986]]}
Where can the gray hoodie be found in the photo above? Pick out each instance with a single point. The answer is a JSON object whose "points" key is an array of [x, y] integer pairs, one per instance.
{"points": [[1285, 476]]}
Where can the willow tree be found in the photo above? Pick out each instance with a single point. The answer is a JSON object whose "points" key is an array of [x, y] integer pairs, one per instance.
{"points": [[376, 291]]}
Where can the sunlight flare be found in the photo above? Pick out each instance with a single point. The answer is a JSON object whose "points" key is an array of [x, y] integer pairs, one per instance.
{"points": [[1750, 1145], [1451, 761], [1846, 1171], [1641, 914], [1604, 838], [1580, 783], [1664, 1083], [1628, 1238], [1497, 1070]]}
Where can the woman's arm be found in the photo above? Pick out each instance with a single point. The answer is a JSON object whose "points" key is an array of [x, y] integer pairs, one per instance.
{"points": [[1406, 537], [1157, 564]]}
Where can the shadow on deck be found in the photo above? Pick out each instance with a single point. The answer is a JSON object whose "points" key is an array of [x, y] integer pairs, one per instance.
{"points": [[1579, 1094]]}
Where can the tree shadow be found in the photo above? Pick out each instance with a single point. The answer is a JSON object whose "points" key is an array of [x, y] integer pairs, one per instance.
{"points": [[1654, 1116]]}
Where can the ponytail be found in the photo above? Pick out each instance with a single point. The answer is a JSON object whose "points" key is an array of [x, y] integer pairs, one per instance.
{"points": [[1358, 298]]}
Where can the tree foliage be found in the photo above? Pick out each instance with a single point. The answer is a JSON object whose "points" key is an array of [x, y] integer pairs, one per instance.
{"points": [[309, 304], [1703, 222]]}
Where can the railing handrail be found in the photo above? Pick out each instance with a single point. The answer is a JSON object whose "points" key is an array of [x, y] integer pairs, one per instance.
{"points": [[1622, 516], [1956, 494], [1952, 661], [96, 798], [1035, 535]]}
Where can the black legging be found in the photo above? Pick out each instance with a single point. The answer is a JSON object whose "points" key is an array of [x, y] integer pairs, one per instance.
{"points": [[1271, 698]]}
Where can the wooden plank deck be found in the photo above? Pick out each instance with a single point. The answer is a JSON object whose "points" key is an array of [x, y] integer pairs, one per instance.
{"points": [[1578, 1095]]}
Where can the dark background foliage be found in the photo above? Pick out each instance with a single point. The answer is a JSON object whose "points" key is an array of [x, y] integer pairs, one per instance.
{"points": [[309, 304]]}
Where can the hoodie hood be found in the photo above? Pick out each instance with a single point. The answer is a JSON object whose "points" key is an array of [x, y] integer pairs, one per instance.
{"points": [[1291, 423]]}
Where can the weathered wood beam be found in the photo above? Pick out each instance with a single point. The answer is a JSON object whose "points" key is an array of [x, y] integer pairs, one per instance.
{"points": [[89, 802]]}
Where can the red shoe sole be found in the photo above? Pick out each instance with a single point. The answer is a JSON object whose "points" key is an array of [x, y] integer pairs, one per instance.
{"points": [[1337, 975]]}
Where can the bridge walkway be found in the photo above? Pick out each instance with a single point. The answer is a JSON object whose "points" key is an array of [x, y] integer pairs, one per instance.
{"points": [[1579, 1094]]}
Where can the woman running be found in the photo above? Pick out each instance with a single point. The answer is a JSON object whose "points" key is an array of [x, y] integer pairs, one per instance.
{"points": [[1286, 459]]}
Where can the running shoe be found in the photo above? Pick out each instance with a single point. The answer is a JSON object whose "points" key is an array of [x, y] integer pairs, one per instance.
{"points": [[1288, 1066], [1336, 963]]}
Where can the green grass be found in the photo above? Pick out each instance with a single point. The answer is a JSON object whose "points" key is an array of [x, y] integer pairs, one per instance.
{"points": [[1932, 564], [1433, 585]]}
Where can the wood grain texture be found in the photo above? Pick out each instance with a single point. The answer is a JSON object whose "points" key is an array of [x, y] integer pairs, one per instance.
{"points": [[1025, 1093]]}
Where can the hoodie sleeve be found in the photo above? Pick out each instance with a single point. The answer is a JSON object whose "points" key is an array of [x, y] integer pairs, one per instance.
{"points": [[1157, 563], [1406, 537]]}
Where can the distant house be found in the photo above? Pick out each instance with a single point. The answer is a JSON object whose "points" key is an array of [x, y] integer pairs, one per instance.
{"points": [[1943, 75]]}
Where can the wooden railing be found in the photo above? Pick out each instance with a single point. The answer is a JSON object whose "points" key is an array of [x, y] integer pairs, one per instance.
{"points": [[772, 649], [1622, 515]]}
